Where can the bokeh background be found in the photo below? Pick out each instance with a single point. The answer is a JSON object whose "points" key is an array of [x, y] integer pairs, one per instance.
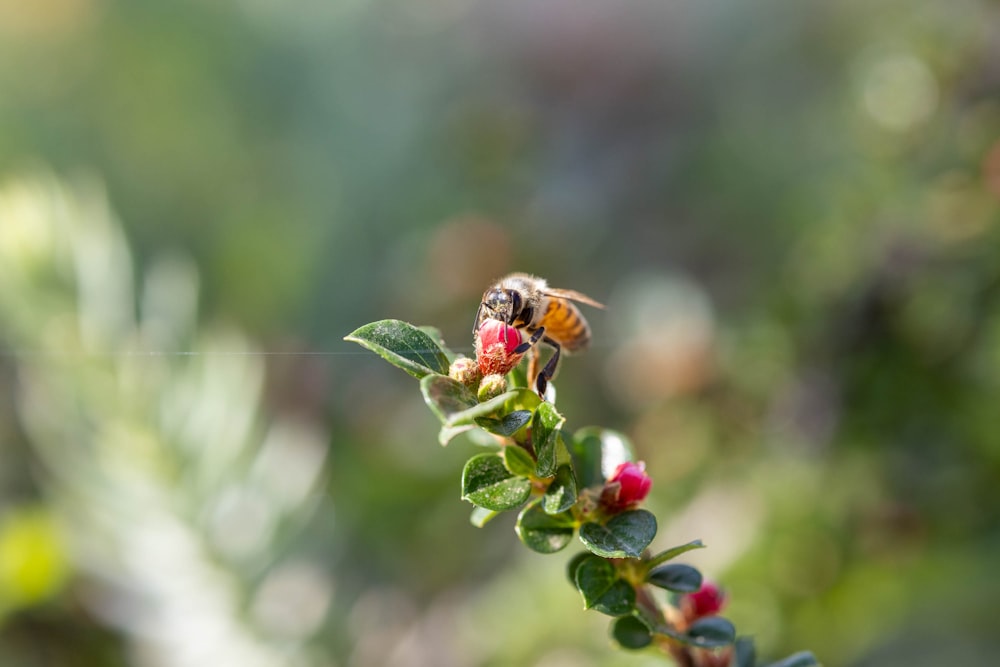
{"points": [[789, 206]]}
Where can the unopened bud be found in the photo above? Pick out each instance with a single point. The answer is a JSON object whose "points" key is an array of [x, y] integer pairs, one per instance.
{"points": [[492, 386], [706, 601], [627, 487], [466, 371]]}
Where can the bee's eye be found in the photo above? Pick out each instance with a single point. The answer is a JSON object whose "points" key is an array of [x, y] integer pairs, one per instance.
{"points": [[515, 304]]}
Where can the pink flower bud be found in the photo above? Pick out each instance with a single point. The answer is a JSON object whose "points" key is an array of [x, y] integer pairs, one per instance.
{"points": [[627, 487], [706, 601], [495, 345]]}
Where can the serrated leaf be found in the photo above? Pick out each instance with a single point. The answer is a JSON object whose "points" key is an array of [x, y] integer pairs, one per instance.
{"points": [[631, 633], [446, 396], [481, 516], [602, 589], [674, 552], [402, 345], [712, 632], [561, 494], [801, 659], [507, 425], [518, 461], [676, 577], [544, 533], [596, 453], [625, 535], [744, 653], [487, 483], [544, 436]]}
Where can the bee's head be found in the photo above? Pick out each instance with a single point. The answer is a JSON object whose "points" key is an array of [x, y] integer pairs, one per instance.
{"points": [[503, 304]]}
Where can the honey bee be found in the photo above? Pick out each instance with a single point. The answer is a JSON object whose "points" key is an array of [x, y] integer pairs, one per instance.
{"points": [[544, 313]]}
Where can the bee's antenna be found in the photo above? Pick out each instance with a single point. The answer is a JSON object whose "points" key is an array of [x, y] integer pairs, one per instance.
{"points": [[479, 318]]}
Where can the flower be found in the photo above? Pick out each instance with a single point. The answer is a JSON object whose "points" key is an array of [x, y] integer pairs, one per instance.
{"points": [[706, 601], [627, 487], [495, 345]]}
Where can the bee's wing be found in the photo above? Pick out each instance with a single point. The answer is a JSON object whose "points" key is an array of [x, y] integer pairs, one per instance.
{"points": [[572, 295]]}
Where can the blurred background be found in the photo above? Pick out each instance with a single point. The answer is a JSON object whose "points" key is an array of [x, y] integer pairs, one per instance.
{"points": [[790, 208]]}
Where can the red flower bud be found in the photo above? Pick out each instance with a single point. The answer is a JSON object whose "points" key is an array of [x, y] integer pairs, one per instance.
{"points": [[495, 345], [627, 487], [706, 601]]}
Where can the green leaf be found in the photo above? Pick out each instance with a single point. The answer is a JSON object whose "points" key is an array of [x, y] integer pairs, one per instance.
{"points": [[744, 653], [801, 659], [526, 399], [402, 345], [507, 425], [481, 516], [631, 633], [712, 632], [480, 410], [435, 335], [676, 577], [544, 436], [561, 494], [448, 433], [446, 396], [455, 405], [602, 589], [544, 533], [596, 453], [623, 536], [574, 563], [518, 460], [487, 483], [674, 552]]}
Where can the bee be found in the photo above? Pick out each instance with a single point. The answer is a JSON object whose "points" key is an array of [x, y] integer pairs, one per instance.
{"points": [[544, 313]]}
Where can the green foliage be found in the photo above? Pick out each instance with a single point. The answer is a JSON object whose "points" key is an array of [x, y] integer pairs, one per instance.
{"points": [[543, 531], [674, 552], [487, 483], [712, 632], [402, 345], [676, 577], [631, 633], [562, 480], [602, 587], [625, 535], [561, 494]]}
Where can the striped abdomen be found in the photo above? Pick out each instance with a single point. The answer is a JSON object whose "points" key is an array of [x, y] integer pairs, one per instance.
{"points": [[564, 324]]}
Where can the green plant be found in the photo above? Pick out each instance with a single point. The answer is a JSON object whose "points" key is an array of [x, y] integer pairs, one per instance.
{"points": [[584, 483]]}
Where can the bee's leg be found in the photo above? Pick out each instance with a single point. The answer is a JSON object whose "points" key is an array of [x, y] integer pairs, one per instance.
{"points": [[533, 365], [531, 342], [542, 381]]}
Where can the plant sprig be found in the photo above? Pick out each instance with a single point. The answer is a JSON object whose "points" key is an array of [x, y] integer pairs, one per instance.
{"points": [[584, 483]]}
